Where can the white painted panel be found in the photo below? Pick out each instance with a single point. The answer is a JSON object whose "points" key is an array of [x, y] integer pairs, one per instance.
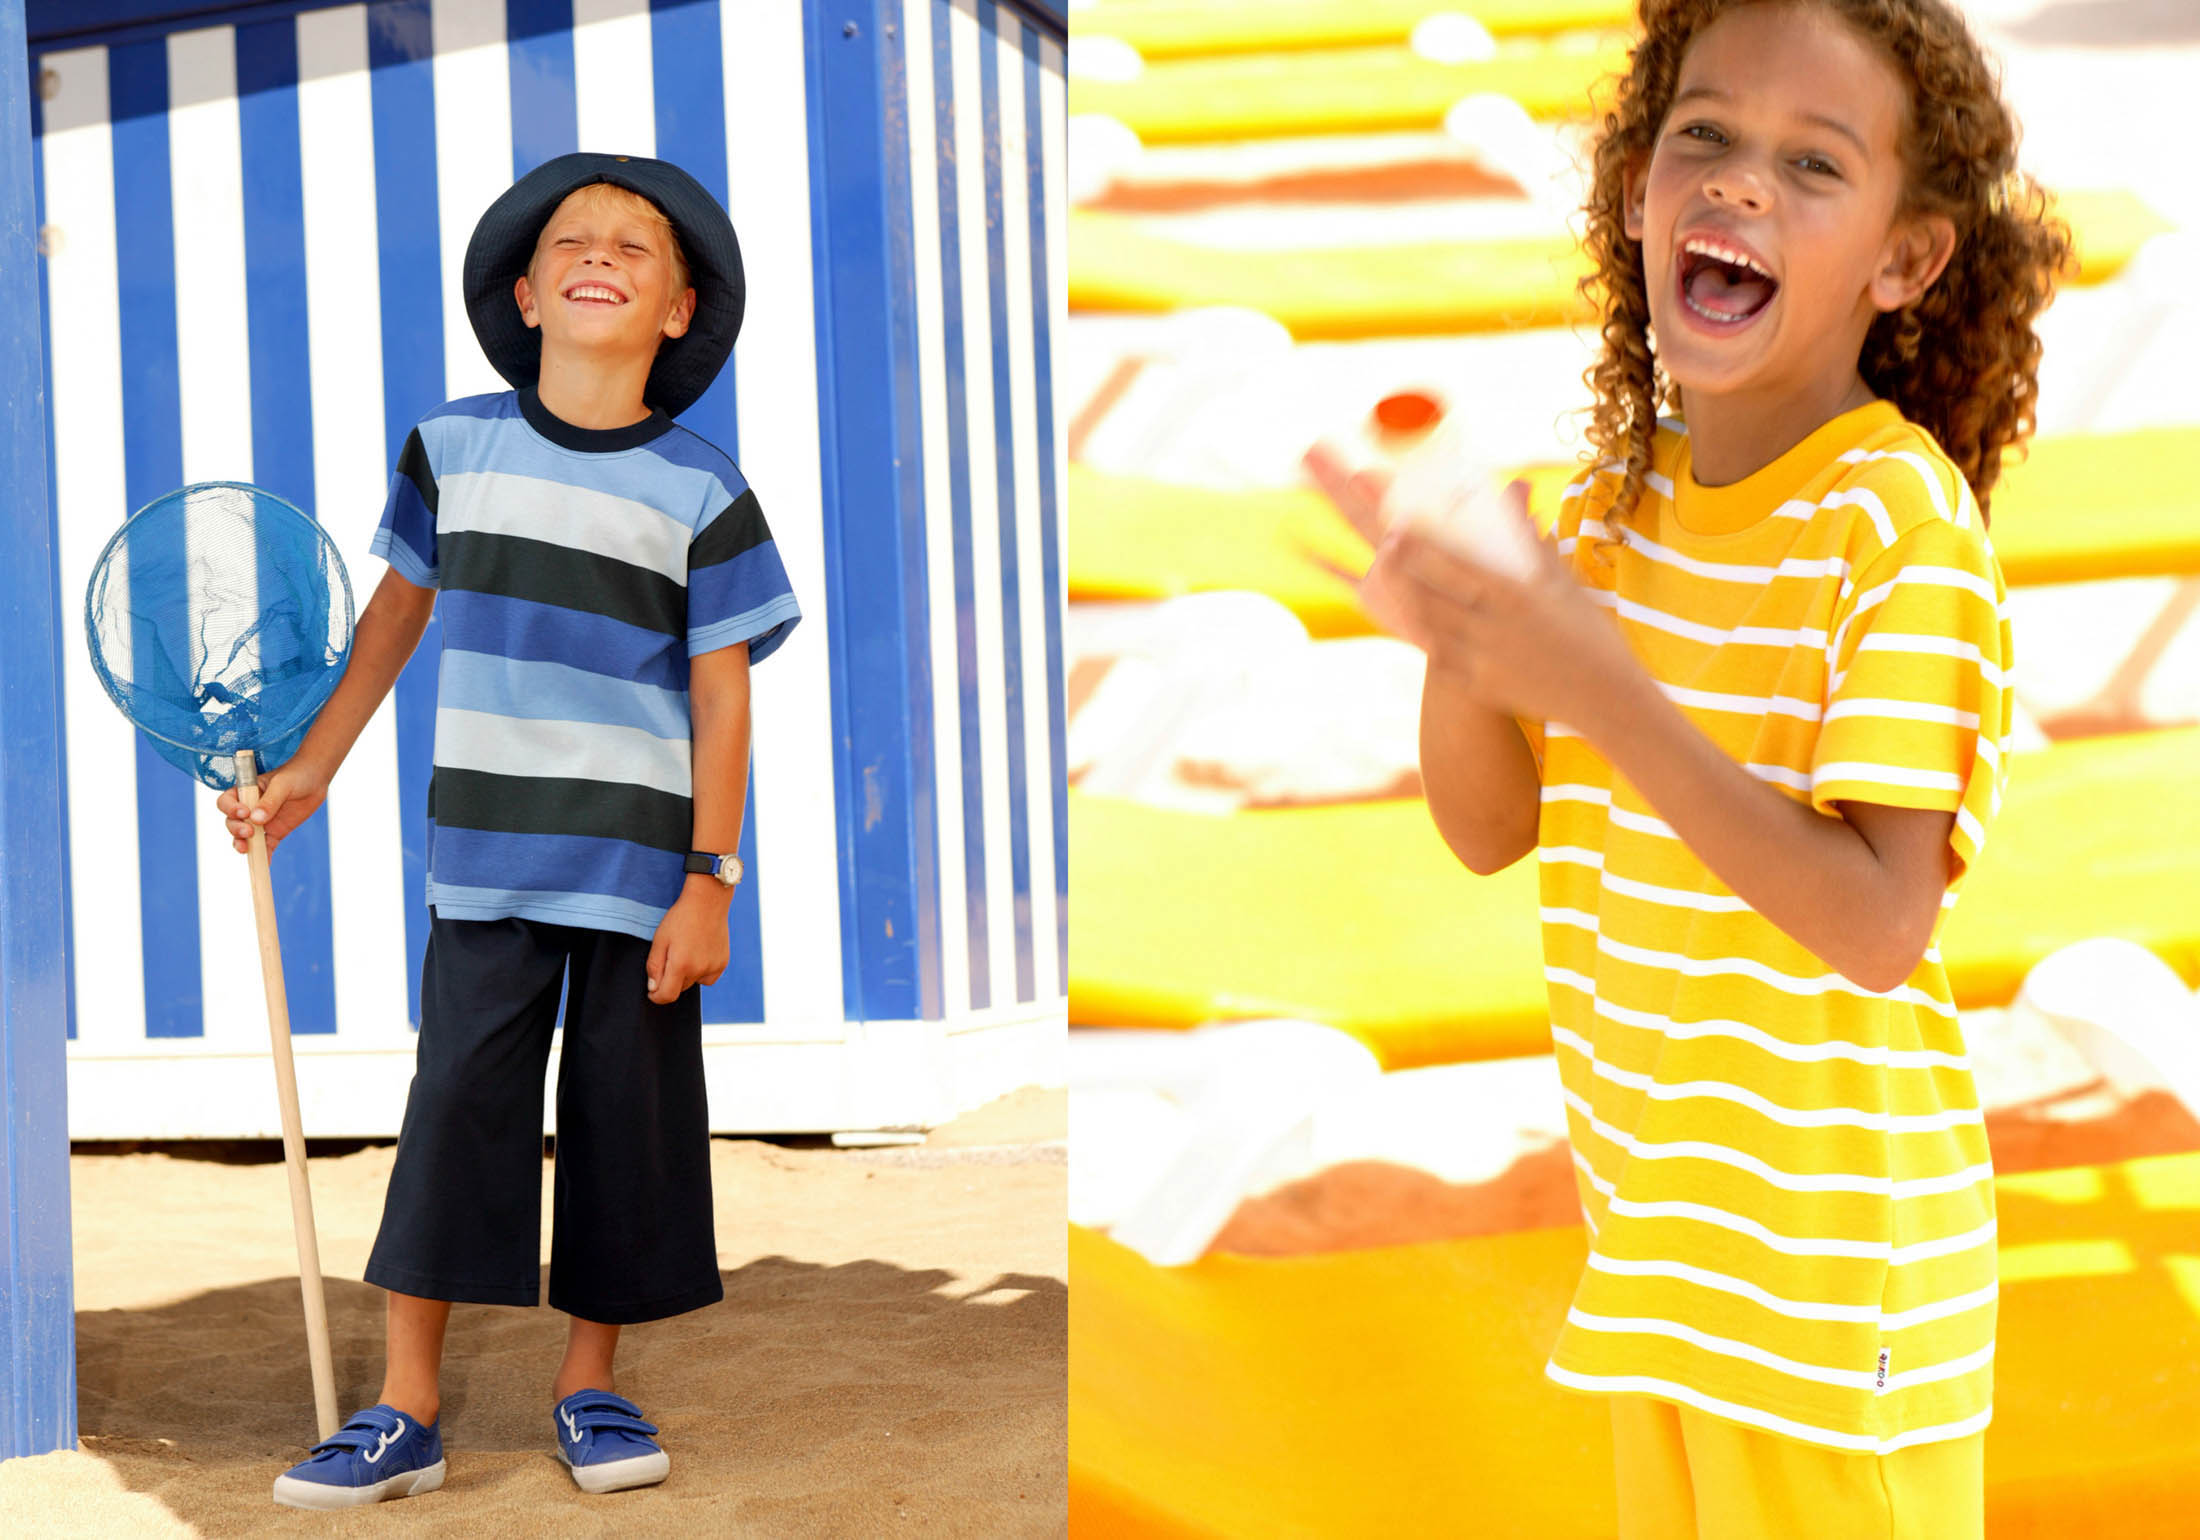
{"points": [[768, 171], [350, 476], [939, 513], [1054, 171], [473, 165], [1031, 591], [1053, 120], [92, 500], [985, 509], [612, 77], [214, 385]]}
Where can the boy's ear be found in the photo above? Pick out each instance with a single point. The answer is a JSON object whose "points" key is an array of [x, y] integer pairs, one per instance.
{"points": [[524, 293], [682, 313], [1917, 252]]}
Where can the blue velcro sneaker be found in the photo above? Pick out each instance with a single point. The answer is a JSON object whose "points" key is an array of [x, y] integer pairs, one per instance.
{"points": [[603, 1439], [380, 1453]]}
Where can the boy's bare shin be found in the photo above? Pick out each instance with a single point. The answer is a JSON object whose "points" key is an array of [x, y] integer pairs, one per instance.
{"points": [[413, 1355], [589, 1346]]}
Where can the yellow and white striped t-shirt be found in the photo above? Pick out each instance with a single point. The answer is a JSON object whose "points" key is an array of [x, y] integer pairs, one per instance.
{"points": [[1785, 1175]]}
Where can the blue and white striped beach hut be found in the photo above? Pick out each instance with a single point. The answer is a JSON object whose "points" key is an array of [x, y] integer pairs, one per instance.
{"points": [[252, 218]]}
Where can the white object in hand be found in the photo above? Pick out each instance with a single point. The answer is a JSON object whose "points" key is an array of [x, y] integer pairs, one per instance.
{"points": [[1456, 496]]}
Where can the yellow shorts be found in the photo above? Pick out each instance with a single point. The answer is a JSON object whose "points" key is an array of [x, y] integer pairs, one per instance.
{"points": [[1686, 1475]]}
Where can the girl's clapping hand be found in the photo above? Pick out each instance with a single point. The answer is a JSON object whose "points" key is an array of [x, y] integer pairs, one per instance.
{"points": [[1536, 646]]}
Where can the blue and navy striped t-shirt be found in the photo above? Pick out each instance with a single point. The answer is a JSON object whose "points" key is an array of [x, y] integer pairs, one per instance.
{"points": [[579, 569]]}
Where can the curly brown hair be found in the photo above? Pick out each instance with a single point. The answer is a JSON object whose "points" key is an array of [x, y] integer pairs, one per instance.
{"points": [[1962, 361]]}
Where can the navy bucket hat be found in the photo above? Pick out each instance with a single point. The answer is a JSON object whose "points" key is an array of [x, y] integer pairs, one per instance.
{"points": [[504, 243]]}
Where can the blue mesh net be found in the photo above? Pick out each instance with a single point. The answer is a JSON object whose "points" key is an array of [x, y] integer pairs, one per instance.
{"points": [[220, 619]]}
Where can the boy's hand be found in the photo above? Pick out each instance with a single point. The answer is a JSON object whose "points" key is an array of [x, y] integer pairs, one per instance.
{"points": [[288, 796], [690, 946]]}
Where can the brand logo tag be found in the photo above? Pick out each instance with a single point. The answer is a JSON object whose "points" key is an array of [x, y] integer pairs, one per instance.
{"points": [[1886, 1356]]}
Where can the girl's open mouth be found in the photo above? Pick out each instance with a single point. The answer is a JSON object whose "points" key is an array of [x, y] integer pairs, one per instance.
{"points": [[1721, 296]]}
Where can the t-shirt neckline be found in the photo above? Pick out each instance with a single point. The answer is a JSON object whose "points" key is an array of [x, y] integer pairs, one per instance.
{"points": [[1741, 505], [588, 440]]}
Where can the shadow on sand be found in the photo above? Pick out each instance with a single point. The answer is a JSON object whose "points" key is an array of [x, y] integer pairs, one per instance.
{"points": [[814, 1399]]}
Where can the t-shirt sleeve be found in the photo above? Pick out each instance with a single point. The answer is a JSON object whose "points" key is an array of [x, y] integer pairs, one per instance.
{"points": [[1919, 706], [737, 588], [406, 536], [408, 531]]}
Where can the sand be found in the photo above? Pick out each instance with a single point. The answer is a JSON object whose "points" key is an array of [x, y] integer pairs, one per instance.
{"points": [[1359, 1204], [889, 1357]]}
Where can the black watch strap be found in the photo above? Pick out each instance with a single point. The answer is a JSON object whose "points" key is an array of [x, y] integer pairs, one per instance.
{"points": [[702, 863]]}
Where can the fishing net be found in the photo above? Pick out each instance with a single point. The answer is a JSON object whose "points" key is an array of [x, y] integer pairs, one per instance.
{"points": [[220, 619]]}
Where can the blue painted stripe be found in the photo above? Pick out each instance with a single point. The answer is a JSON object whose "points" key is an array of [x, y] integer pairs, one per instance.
{"points": [[687, 68], [916, 586], [539, 45], [1004, 450], [145, 255], [480, 681], [862, 227], [739, 993], [1050, 544], [524, 628], [53, 526], [837, 640], [37, 1325], [282, 446], [400, 54], [954, 341]]}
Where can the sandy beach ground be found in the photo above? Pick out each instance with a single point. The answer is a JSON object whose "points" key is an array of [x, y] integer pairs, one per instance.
{"points": [[889, 1357]]}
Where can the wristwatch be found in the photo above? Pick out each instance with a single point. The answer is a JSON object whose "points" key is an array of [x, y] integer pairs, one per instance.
{"points": [[727, 869]]}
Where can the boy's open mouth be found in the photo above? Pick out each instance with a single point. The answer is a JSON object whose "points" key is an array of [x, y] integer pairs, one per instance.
{"points": [[1723, 288], [594, 294]]}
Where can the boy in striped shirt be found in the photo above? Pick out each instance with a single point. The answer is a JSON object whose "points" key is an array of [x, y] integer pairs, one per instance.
{"points": [[607, 581]]}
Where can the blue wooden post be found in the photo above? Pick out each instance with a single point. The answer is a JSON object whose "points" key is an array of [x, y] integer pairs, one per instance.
{"points": [[874, 510], [37, 1329]]}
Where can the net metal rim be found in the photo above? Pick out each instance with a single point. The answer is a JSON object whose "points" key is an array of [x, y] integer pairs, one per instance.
{"points": [[180, 494]]}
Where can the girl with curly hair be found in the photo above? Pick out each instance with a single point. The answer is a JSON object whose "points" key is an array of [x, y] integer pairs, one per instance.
{"points": [[1750, 709]]}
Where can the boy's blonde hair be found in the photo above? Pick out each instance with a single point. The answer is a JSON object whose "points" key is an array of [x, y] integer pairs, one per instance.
{"points": [[597, 195], [1962, 361]]}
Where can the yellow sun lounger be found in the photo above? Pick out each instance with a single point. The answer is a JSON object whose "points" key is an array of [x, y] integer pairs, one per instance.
{"points": [[2091, 505], [1435, 288], [1355, 915], [1401, 1391], [1163, 29], [1138, 539], [1351, 91], [1359, 916]]}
